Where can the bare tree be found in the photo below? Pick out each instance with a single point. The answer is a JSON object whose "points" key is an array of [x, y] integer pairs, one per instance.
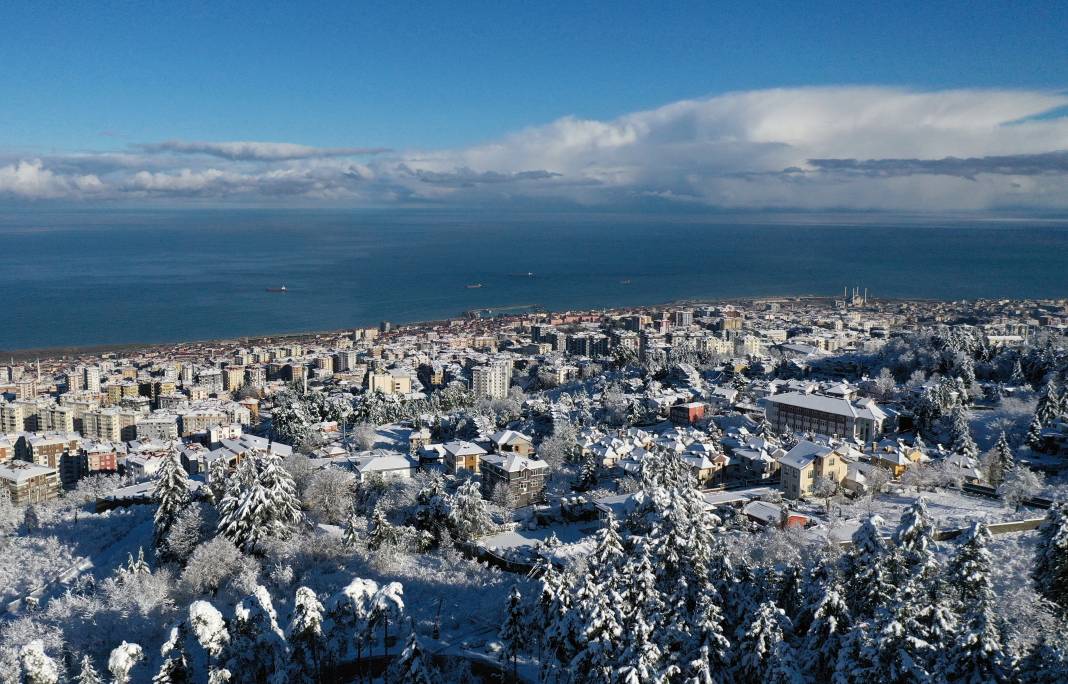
{"points": [[825, 488], [365, 436], [1019, 484]]}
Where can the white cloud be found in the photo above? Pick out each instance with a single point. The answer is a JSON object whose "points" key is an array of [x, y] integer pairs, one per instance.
{"points": [[846, 147]]}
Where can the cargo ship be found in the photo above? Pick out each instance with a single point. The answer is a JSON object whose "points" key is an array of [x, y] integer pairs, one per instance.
{"points": [[474, 286], [277, 289]]}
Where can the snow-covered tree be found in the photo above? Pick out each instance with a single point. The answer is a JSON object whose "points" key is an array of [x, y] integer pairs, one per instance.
{"points": [[349, 619], [171, 495], [267, 507], [999, 461], [258, 651], [305, 635], [1019, 484], [826, 633], [961, 440], [866, 570], [350, 535], [979, 653], [1051, 557], [123, 659], [387, 607], [37, 667], [913, 541], [469, 516], [1034, 434], [412, 666], [762, 654], [87, 673], [210, 640], [512, 633], [1046, 662]]}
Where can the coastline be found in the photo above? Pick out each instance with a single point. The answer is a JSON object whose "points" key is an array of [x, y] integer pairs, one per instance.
{"points": [[75, 351]]}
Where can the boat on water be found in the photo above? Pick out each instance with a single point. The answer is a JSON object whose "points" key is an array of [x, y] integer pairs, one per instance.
{"points": [[277, 289], [474, 286], [624, 282]]}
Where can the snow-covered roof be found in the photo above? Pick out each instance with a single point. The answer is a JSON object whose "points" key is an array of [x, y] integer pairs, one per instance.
{"points": [[803, 455], [514, 463]]}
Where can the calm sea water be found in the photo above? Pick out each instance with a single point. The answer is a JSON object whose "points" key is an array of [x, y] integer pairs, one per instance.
{"points": [[93, 277]]}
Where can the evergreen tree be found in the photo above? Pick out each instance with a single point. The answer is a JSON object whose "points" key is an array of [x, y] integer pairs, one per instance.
{"points": [[826, 634], [866, 569], [762, 654], [37, 667], [1051, 557], [1049, 405], [978, 655], [1001, 461], [258, 651], [305, 636], [512, 633], [387, 607], [412, 666], [713, 647], [208, 643], [265, 508], [961, 440], [914, 540], [87, 674], [381, 533], [175, 668], [897, 654], [1045, 663], [350, 536], [851, 664], [1034, 434], [171, 495], [469, 516], [122, 660]]}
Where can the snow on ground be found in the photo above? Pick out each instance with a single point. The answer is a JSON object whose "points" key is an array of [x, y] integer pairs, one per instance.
{"points": [[566, 533], [949, 509], [66, 539]]}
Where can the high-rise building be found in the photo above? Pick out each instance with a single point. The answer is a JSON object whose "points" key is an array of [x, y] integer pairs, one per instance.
{"points": [[492, 380]]}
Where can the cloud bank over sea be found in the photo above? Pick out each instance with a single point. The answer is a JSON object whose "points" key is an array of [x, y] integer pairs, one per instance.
{"points": [[866, 148]]}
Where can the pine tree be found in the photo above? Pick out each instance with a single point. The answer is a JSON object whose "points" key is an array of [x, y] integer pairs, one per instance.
{"points": [[175, 668], [469, 516], [88, 674], [171, 495], [122, 661], [512, 633], [866, 569], [258, 650], [350, 536], [1034, 434], [961, 440], [897, 653], [914, 540], [387, 607], [264, 508], [1001, 460], [208, 643], [305, 635], [1049, 405], [381, 533], [1051, 557], [707, 635], [978, 654], [411, 667], [1045, 663], [826, 634], [760, 655], [37, 667], [851, 664]]}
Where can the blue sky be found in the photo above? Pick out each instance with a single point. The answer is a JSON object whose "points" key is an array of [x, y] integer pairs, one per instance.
{"points": [[87, 78]]}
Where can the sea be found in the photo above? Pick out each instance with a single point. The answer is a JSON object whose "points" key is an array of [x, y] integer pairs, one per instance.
{"points": [[111, 276]]}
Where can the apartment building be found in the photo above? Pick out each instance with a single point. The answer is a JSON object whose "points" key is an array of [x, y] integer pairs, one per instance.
{"points": [[795, 412], [28, 483]]}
